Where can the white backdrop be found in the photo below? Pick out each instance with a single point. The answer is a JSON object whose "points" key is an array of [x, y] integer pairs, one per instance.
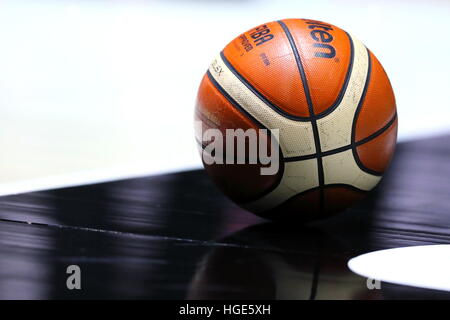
{"points": [[99, 90]]}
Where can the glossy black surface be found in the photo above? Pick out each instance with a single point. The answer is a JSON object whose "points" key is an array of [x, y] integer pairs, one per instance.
{"points": [[176, 236]]}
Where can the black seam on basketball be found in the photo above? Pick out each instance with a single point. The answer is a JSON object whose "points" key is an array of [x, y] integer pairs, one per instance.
{"points": [[326, 186], [201, 117], [300, 158], [355, 119], [239, 108], [345, 85], [347, 147], [269, 213], [310, 107], [259, 95], [258, 196], [234, 103], [275, 214], [346, 186], [362, 142], [201, 144], [323, 154], [377, 133], [269, 133], [280, 174]]}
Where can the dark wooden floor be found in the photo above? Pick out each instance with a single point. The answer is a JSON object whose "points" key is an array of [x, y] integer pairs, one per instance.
{"points": [[176, 236]]}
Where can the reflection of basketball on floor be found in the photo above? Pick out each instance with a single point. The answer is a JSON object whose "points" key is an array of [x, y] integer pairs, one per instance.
{"points": [[302, 264], [329, 97]]}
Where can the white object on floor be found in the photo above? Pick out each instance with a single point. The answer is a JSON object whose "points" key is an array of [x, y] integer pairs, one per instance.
{"points": [[418, 266]]}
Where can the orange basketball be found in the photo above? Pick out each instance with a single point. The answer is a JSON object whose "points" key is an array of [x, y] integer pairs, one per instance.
{"points": [[326, 95]]}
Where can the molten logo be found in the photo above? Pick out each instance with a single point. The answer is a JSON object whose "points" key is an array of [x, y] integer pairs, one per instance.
{"points": [[323, 39]]}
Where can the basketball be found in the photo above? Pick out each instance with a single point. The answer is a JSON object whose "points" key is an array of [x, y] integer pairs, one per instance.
{"points": [[296, 120]]}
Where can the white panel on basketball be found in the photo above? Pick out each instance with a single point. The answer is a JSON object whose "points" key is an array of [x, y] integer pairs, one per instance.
{"points": [[298, 176], [296, 137], [342, 168], [335, 129]]}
